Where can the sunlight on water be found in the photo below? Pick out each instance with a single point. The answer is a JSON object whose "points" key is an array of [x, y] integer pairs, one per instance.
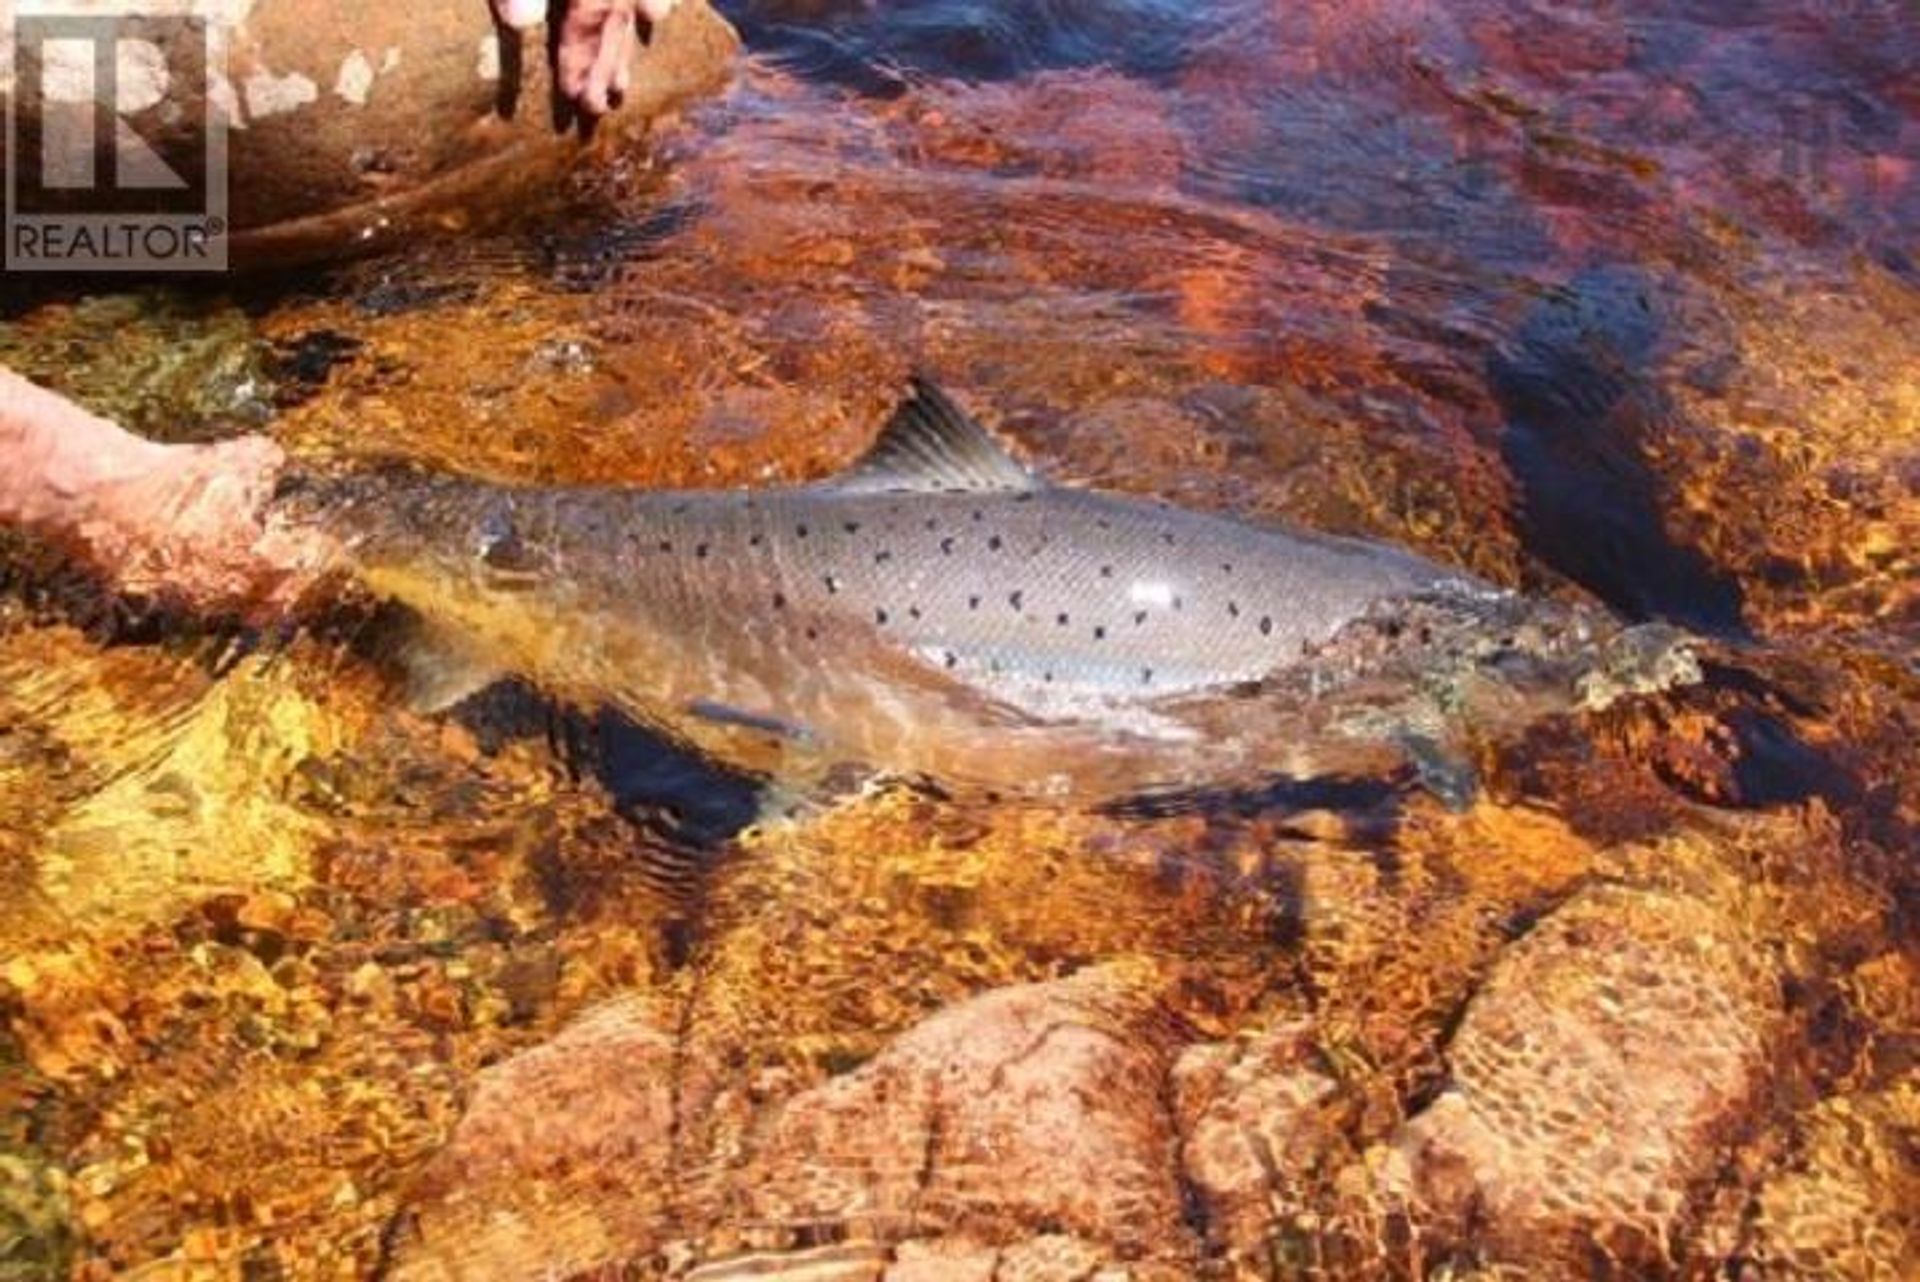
{"points": [[1595, 972]]}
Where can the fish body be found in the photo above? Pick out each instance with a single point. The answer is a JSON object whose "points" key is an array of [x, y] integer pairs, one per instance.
{"points": [[935, 610]]}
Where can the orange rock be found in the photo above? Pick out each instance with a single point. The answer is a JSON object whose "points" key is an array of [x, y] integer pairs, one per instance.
{"points": [[1596, 1077], [562, 1163], [1033, 1107]]}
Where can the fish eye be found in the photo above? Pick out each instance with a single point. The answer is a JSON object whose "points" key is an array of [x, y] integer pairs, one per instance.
{"points": [[495, 528], [498, 543]]}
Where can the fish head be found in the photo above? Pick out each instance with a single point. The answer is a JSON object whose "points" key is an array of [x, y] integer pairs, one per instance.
{"points": [[396, 517], [461, 555]]}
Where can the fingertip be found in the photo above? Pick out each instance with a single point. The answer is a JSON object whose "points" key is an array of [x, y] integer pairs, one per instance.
{"points": [[593, 94], [521, 13]]}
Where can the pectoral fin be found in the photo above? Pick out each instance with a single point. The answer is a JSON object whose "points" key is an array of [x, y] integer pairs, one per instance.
{"points": [[1443, 769], [726, 715], [440, 667]]}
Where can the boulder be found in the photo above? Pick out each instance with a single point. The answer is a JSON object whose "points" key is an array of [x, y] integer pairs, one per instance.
{"points": [[563, 1162], [355, 124], [1600, 1077], [1030, 1110]]}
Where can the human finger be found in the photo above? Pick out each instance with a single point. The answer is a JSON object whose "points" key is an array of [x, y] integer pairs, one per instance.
{"points": [[520, 13], [615, 52]]}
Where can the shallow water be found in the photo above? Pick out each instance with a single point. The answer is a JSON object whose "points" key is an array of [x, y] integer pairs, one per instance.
{"points": [[1619, 307]]}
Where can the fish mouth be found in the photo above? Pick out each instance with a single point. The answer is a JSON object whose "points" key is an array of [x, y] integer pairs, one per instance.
{"points": [[1647, 658]]}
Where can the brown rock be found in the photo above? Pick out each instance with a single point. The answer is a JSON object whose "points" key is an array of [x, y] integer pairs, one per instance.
{"points": [[1259, 1119], [1847, 1205], [562, 1162], [1052, 1257], [857, 1263], [1031, 1109], [1597, 1077], [437, 141], [356, 123], [943, 1260]]}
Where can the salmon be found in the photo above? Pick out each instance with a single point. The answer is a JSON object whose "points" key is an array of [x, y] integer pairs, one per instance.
{"points": [[937, 610]]}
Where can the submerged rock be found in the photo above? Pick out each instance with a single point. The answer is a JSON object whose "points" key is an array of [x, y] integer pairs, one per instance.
{"points": [[1025, 1131], [169, 367], [1846, 1205], [562, 1163], [1259, 1119], [1598, 1077], [1032, 1107]]}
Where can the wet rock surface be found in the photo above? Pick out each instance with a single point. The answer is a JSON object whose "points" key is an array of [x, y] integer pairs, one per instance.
{"points": [[1597, 1079], [563, 1160], [1039, 1104], [1036, 1104]]}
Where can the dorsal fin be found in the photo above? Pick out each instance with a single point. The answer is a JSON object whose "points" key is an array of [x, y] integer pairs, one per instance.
{"points": [[931, 444]]}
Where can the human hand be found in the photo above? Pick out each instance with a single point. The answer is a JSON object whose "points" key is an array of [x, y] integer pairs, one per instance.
{"points": [[593, 53], [194, 524]]}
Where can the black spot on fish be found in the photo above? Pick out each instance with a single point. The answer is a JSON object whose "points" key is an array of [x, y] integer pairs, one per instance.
{"points": [[800, 531], [994, 544], [666, 545], [1047, 676], [882, 557], [1023, 498], [1166, 537], [1106, 572], [913, 612], [946, 547], [1015, 597], [1103, 523], [813, 634], [1226, 567], [932, 525], [978, 515], [1179, 603], [701, 551], [779, 600], [1266, 625], [973, 603], [1062, 619], [679, 509], [1233, 609], [1139, 618], [833, 584], [952, 659], [880, 617], [1100, 634], [851, 527], [755, 540], [1146, 676]]}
